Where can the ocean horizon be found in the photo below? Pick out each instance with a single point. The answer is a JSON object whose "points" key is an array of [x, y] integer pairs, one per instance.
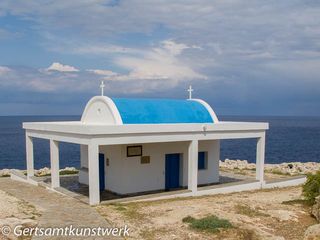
{"points": [[289, 139]]}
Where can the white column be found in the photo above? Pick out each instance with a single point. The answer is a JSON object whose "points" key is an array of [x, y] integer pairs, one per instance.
{"points": [[29, 156], [84, 156], [214, 159], [260, 158], [193, 166], [54, 160], [93, 168]]}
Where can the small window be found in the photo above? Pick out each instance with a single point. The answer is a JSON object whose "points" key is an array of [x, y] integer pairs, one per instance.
{"points": [[202, 160]]}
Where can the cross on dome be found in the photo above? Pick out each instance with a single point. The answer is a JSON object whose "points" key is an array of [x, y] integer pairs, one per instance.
{"points": [[102, 87], [190, 90]]}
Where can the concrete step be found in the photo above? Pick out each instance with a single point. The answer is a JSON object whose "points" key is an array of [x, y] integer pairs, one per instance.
{"points": [[19, 176], [44, 185], [69, 193], [18, 173]]}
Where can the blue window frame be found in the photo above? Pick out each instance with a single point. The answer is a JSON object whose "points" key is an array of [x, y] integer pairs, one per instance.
{"points": [[202, 160]]}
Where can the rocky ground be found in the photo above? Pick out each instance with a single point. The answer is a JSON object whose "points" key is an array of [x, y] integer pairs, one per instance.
{"points": [[14, 212], [264, 214]]}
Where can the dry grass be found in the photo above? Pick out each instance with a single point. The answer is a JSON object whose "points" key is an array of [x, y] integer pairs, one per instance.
{"points": [[248, 211], [130, 211]]}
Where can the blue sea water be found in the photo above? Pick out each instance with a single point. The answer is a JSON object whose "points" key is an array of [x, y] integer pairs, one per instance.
{"points": [[289, 139]]}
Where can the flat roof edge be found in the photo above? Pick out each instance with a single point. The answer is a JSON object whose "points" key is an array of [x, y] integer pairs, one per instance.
{"points": [[86, 129]]}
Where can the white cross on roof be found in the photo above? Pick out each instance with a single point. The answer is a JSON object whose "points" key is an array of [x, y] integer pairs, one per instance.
{"points": [[190, 90], [102, 87]]}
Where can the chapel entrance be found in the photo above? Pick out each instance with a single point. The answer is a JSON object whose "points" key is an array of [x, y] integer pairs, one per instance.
{"points": [[172, 171]]}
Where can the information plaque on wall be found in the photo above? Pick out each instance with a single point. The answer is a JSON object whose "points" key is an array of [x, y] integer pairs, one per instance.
{"points": [[133, 151]]}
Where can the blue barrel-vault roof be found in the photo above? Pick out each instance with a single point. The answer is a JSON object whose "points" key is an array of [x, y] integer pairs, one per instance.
{"points": [[161, 111]]}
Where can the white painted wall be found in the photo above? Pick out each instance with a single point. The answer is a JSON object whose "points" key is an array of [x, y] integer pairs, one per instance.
{"points": [[101, 110], [127, 175], [211, 174]]}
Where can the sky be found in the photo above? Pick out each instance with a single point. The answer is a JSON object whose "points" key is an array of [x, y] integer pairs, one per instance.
{"points": [[242, 57]]}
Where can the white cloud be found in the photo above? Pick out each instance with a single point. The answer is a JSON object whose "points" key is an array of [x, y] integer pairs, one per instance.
{"points": [[160, 67], [225, 40], [160, 63], [61, 68], [102, 72], [32, 79], [146, 71], [237, 49], [173, 48], [4, 70], [225, 30]]}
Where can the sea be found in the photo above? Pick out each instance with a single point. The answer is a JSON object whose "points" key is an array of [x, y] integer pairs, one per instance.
{"points": [[289, 139]]}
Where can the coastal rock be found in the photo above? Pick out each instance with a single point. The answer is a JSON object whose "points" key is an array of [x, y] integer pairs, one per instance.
{"points": [[40, 172], [312, 233], [291, 168], [43, 172], [69, 169], [316, 209], [47, 171], [5, 172]]}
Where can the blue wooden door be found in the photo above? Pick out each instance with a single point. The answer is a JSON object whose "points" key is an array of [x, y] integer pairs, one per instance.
{"points": [[172, 170], [201, 160], [101, 172]]}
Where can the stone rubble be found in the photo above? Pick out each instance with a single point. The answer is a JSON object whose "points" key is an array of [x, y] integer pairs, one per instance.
{"points": [[291, 168]]}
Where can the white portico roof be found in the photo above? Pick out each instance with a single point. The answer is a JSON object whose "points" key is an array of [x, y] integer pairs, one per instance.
{"points": [[77, 127]]}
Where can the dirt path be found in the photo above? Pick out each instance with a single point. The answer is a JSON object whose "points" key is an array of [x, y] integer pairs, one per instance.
{"points": [[56, 210]]}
